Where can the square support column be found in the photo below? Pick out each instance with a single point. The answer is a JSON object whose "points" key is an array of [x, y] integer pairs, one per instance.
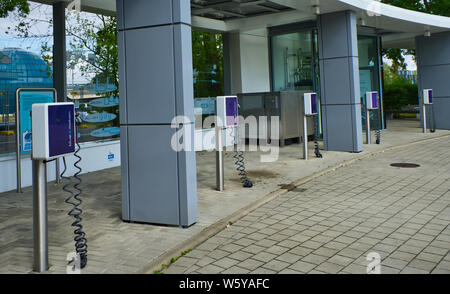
{"points": [[159, 183], [339, 80], [433, 65], [59, 50]]}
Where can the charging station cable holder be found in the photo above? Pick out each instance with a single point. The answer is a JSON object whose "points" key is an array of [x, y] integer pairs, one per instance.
{"points": [[53, 137], [427, 100]]}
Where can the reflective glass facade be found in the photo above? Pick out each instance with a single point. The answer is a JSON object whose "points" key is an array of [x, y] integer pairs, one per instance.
{"points": [[369, 76], [18, 68]]}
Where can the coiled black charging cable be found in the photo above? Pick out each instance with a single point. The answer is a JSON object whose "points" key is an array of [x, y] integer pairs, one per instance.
{"points": [[76, 211]]}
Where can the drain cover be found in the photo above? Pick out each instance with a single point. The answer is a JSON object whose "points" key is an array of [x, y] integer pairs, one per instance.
{"points": [[405, 165]]}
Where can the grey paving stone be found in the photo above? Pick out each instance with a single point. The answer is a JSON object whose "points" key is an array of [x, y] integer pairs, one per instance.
{"points": [[254, 249], [231, 248], [225, 262], [340, 260], [205, 261], [276, 265], [301, 251], [289, 257], [314, 258], [302, 266], [264, 256], [422, 264], [394, 263], [327, 252], [240, 255], [235, 270], [277, 250], [412, 270], [329, 268], [250, 264], [210, 269]]}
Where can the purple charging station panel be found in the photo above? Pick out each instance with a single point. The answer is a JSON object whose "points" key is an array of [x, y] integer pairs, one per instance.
{"points": [[314, 103], [374, 100], [61, 128], [430, 96], [232, 111]]}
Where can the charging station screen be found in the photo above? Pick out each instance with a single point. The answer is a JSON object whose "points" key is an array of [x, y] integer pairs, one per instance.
{"points": [[314, 103], [61, 131], [231, 111], [375, 100], [26, 99]]}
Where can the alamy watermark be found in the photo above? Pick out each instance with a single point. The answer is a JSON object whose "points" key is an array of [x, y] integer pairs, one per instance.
{"points": [[74, 263], [374, 266], [263, 132]]}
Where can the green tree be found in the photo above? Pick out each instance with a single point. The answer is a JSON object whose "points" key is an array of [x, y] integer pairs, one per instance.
{"points": [[8, 6]]}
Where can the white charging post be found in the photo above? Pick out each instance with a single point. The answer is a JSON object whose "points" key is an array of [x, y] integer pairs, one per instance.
{"points": [[53, 136], [427, 100], [371, 104], [309, 109], [226, 117]]}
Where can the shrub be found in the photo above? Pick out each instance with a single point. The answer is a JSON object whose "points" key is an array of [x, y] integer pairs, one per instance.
{"points": [[399, 92]]}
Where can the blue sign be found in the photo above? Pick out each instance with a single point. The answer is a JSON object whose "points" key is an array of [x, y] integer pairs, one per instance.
{"points": [[208, 105], [28, 97], [99, 117], [105, 102], [111, 157], [106, 132]]}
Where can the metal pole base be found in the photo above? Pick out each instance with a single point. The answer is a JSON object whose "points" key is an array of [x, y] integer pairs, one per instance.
{"points": [[219, 161], [40, 216], [305, 137]]}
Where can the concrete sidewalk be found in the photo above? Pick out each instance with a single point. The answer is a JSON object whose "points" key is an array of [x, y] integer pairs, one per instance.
{"points": [[331, 223], [118, 247]]}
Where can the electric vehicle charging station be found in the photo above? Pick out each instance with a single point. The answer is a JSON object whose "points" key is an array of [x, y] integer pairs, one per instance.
{"points": [[371, 104], [427, 100], [227, 111], [53, 136], [310, 109]]}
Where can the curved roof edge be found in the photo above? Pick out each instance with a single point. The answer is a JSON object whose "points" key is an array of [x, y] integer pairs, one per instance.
{"points": [[377, 8]]}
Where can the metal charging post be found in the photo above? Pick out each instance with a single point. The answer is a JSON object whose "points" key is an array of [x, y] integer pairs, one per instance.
{"points": [[424, 113], [219, 160], [305, 137], [368, 137], [40, 233]]}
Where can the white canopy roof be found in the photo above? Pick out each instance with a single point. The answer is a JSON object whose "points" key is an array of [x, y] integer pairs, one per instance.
{"points": [[398, 26]]}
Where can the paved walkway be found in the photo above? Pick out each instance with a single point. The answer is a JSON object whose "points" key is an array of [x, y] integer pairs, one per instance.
{"points": [[330, 224], [118, 247]]}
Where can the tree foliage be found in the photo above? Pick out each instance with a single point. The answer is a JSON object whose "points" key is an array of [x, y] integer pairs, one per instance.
{"points": [[439, 7], [207, 54], [8, 6]]}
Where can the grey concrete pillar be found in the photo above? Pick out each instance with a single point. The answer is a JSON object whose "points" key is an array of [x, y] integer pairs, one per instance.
{"points": [[59, 50], [433, 63], [159, 184], [339, 79]]}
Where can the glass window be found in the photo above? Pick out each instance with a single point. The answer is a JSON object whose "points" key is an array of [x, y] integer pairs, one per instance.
{"points": [[207, 50], [369, 76], [295, 63], [292, 61]]}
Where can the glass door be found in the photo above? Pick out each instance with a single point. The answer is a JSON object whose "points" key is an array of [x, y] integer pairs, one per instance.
{"points": [[369, 75], [295, 63]]}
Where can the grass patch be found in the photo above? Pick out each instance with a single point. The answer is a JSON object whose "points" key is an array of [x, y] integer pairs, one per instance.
{"points": [[172, 261]]}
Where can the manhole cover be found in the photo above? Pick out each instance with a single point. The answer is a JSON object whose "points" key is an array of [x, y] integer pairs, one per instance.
{"points": [[405, 165]]}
